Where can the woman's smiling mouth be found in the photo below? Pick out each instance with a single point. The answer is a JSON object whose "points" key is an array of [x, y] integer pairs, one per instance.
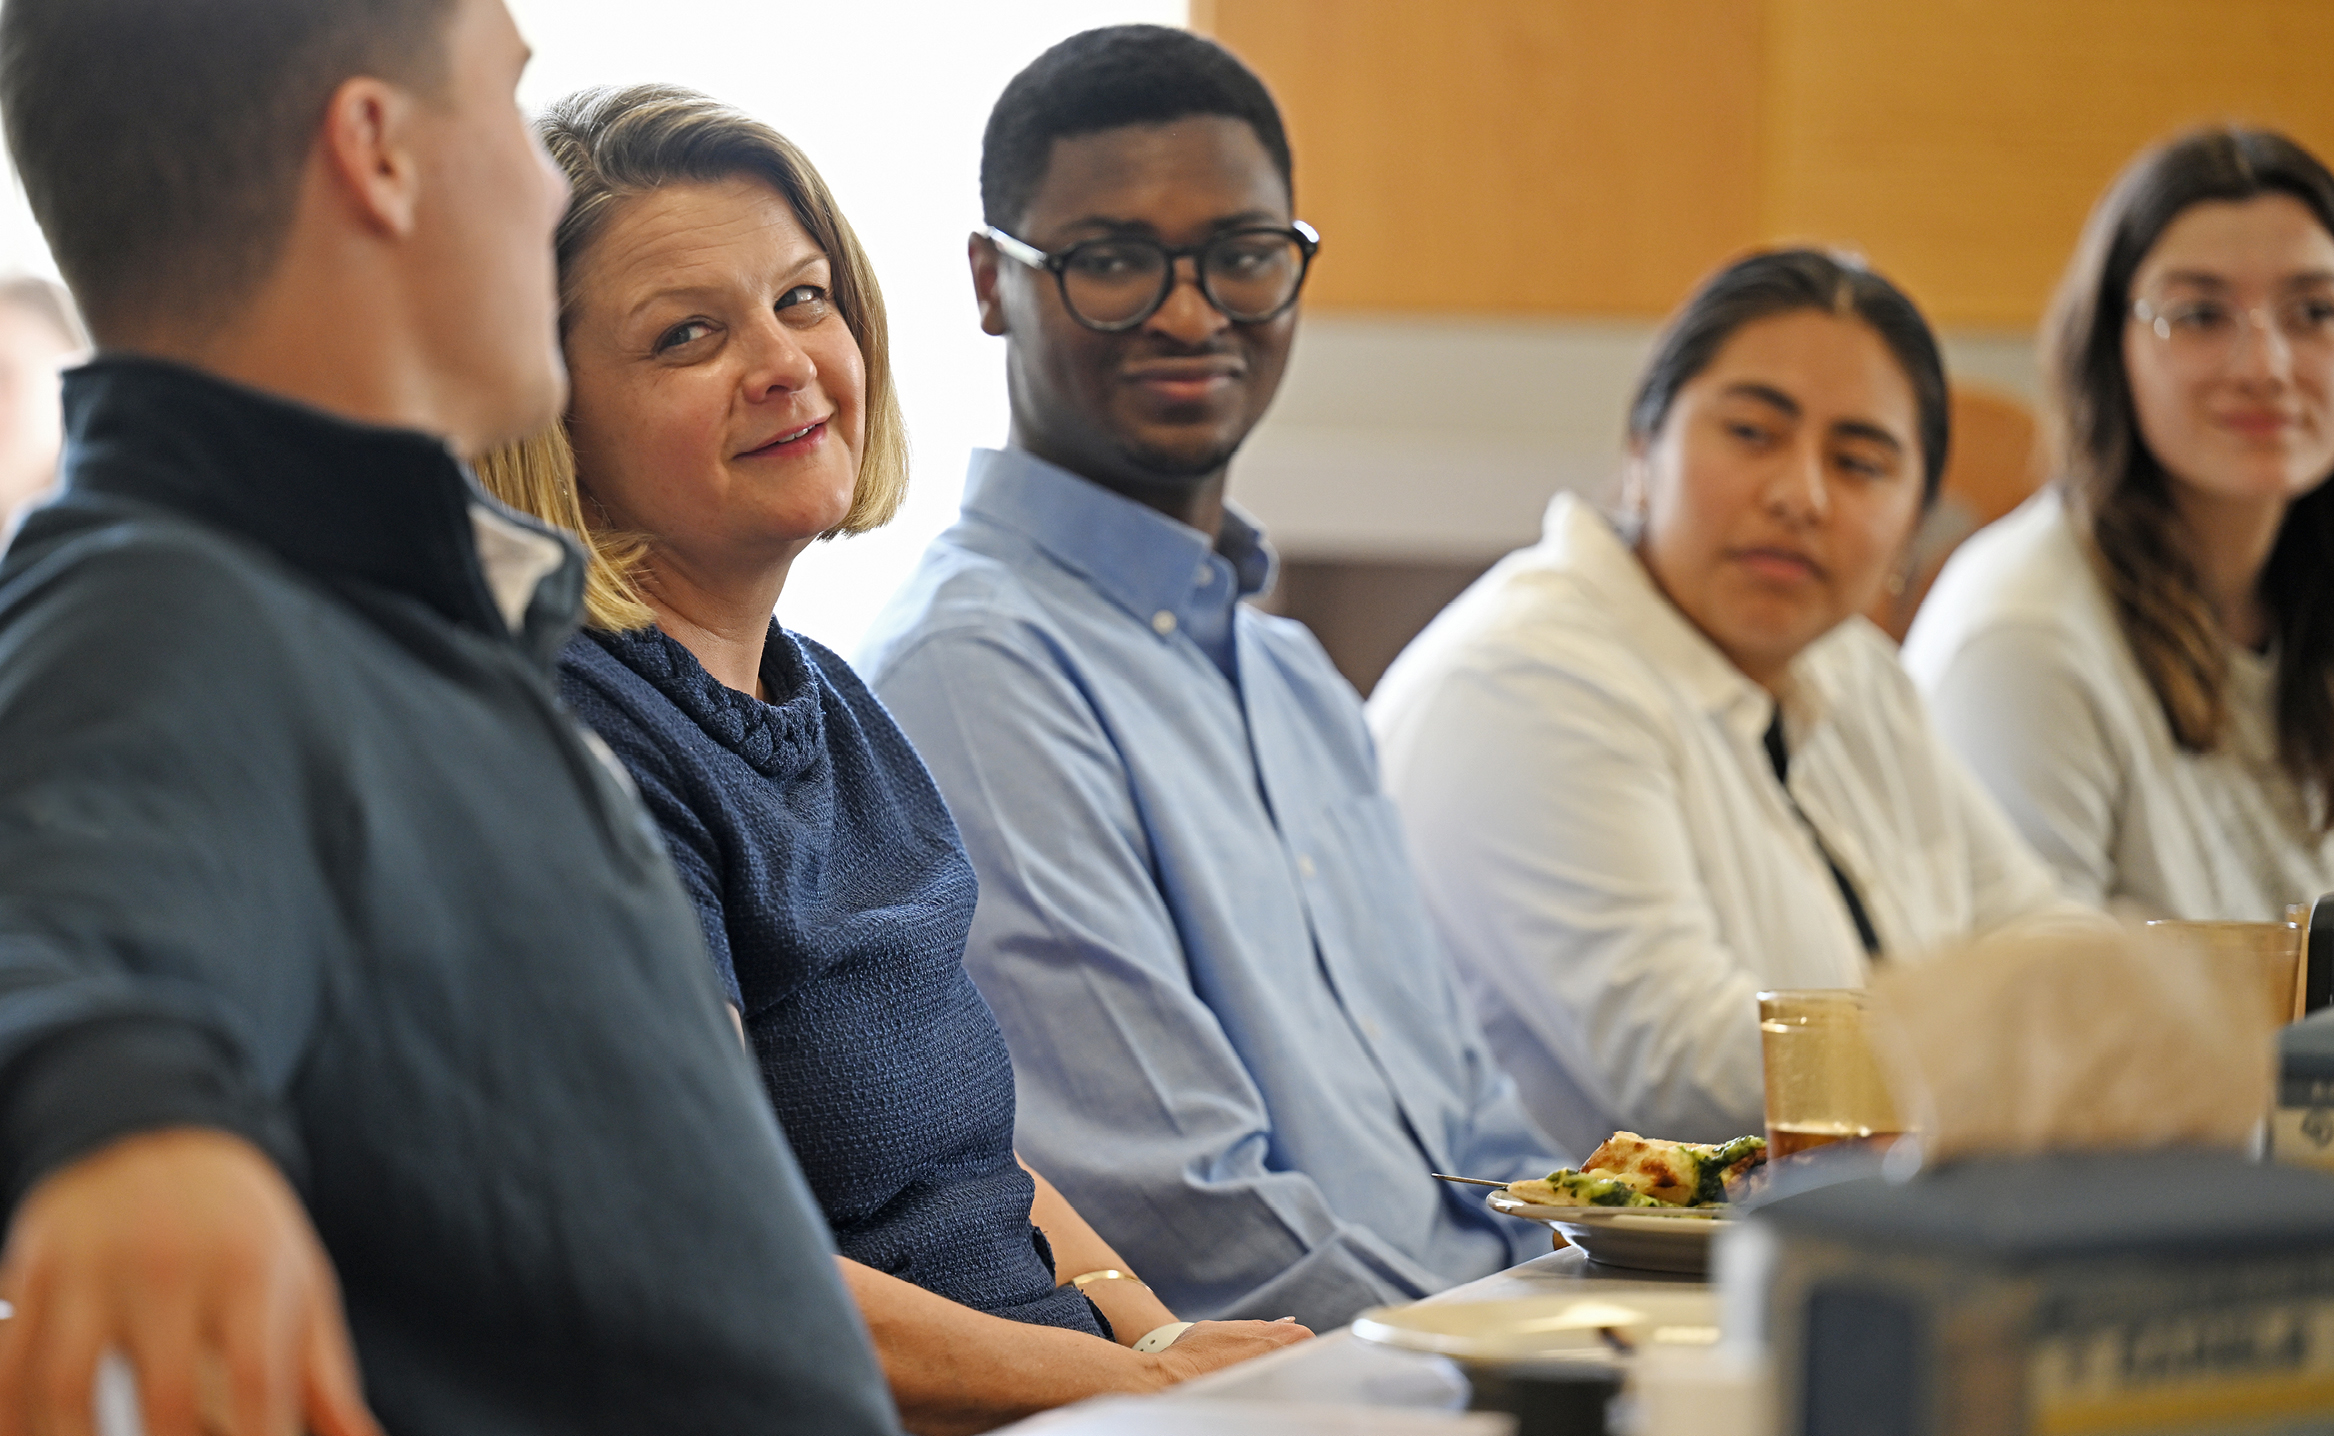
{"points": [[794, 441]]}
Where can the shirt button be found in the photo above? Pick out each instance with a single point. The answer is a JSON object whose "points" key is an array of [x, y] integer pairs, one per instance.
{"points": [[1163, 622], [1206, 575], [1304, 865]]}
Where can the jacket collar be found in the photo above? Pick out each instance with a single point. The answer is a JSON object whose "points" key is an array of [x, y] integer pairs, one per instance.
{"points": [[1584, 542], [1139, 558], [343, 501]]}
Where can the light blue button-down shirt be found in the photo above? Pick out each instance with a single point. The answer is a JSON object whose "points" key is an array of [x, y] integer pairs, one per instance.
{"points": [[1239, 1050]]}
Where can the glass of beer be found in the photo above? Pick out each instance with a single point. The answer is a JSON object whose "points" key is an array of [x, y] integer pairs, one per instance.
{"points": [[2258, 957], [1823, 1081]]}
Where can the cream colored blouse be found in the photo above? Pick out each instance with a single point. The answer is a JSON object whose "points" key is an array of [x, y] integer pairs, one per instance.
{"points": [[1609, 856], [2032, 682]]}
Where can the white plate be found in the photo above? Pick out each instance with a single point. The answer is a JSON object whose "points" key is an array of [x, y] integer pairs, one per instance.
{"points": [[1673, 1239], [1543, 1327]]}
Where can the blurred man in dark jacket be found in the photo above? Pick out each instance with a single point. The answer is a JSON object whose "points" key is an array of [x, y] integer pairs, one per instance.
{"points": [[338, 971]]}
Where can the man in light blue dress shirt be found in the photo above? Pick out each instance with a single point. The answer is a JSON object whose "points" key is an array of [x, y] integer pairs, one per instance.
{"points": [[1238, 1050]]}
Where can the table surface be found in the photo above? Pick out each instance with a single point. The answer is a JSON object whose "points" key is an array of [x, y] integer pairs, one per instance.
{"points": [[1339, 1368]]}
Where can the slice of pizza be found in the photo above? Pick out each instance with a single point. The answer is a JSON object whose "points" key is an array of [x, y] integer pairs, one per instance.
{"points": [[1567, 1188], [1676, 1174]]}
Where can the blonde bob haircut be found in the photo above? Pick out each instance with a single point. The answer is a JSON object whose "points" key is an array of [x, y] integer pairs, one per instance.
{"points": [[619, 144]]}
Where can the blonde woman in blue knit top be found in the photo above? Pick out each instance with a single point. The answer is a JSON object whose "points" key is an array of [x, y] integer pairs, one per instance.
{"points": [[732, 404]]}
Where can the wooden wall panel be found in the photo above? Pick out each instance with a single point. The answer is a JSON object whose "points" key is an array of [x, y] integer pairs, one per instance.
{"points": [[1550, 156], [1960, 143], [1594, 157]]}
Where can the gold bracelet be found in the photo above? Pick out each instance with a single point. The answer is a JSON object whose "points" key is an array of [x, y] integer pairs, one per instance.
{"points": [[1086, 1279]]}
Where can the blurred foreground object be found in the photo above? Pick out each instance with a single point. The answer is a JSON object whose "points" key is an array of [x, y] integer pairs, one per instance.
{"points": [[2301, 1133], [39, 335], [2076, 1036], [2079, 1244], [2266, 955], [2075, 1292]]}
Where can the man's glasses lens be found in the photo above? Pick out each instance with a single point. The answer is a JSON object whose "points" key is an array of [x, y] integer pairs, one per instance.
{"points": [[1114, 281], [1250, 276]]}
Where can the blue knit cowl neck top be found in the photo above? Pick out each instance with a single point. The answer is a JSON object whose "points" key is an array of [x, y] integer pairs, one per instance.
{"points": [[835, 898]]}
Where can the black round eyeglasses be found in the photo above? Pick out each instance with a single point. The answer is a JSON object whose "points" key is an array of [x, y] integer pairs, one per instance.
{"points": [[1249, 275]]}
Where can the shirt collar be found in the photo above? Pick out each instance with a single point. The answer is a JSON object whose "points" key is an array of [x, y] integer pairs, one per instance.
{"points": [[344, 501], [1584, 542], [1139, 558]]}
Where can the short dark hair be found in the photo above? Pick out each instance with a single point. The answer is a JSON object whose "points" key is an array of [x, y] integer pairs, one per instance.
{"points": [[1784, 281], [1102, 79], [2122, 493], [161, 142]]}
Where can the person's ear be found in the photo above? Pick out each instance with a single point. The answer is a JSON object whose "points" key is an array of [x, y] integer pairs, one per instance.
{"points": [[368, 147], [1905, 564], [1634, 491], [982, 255]]}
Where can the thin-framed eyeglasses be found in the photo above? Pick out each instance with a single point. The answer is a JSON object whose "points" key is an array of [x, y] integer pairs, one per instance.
{"points": [[2209, 330], [1250, 275]]}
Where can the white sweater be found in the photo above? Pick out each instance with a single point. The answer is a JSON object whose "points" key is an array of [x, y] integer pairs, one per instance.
{"points": [[2032, 682], [1609, 857]]}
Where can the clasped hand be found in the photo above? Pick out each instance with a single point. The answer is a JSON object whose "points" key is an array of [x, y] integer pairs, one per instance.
{"points": [[187, 1252]]}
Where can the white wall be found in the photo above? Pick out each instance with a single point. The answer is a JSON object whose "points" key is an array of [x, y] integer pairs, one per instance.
{"points": [[21, 248], [1416, 437]]}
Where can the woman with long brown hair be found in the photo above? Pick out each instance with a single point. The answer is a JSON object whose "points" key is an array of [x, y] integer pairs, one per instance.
{"points": [[2140, 662]]}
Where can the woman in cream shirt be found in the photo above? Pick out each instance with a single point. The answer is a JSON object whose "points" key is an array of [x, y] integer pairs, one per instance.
{"points": [[1652, 768], [2140, 662]]}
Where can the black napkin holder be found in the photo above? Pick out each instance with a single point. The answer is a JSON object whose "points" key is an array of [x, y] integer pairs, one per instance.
{"points": [[2301, 1131], [2102, 1294]]}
